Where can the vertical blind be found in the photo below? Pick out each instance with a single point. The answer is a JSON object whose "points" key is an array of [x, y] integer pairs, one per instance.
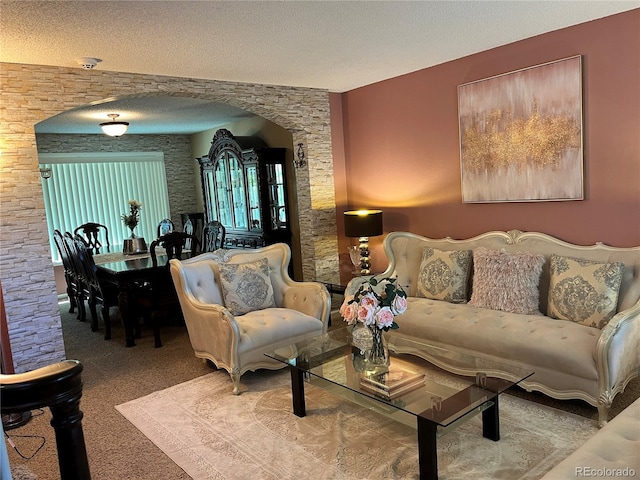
{"points": [[97, 188]]}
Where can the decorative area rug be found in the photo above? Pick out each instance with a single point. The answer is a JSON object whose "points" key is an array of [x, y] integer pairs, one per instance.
{"points": [[213, 434], [20, 472]]}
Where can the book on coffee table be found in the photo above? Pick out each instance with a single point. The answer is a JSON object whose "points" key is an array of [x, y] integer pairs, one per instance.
{"points": [[392, 384]]}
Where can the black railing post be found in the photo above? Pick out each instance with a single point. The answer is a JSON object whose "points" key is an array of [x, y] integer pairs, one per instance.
{"points": [[59, 387]]}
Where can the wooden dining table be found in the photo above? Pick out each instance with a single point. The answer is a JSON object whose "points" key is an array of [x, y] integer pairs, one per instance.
{"points": [[129, 273]]}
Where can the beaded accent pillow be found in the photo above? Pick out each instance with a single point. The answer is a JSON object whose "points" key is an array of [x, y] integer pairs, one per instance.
{"points": [[584, 291], [444, 275], [246, 286], [506, 281]]}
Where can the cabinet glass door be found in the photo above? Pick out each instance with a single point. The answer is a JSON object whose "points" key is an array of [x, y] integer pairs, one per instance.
{"points": [[238, 193], [222, 195], [253, 194], [277, 204], [210, 189]]}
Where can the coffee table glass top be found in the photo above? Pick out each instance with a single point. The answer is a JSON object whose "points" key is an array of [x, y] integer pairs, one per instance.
{"points": [[412, 385]]}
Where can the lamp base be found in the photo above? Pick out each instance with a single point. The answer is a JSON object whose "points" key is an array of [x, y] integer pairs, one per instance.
{"points": [[365, 259]]}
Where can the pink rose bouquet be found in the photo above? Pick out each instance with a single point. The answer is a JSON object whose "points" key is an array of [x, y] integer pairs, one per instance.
{"points": [[376, 303]]}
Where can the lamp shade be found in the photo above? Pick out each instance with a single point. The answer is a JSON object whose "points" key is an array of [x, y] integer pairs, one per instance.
{"points": [[363, 223]]}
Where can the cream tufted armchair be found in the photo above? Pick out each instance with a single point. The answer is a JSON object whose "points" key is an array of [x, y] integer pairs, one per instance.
{"points": [[238, 342]]}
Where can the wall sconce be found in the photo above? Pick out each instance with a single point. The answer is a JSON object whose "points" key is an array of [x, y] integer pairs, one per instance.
{"points": [[300, 162], [45, 172], [363, 224], [113, 128]]}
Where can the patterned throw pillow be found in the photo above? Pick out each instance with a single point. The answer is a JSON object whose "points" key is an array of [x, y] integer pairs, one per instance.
{"points": [[584, 291], [444, 275], [246, 286], [506, 281]]}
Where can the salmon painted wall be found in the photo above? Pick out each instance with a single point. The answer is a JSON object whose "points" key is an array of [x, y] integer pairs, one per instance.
{"points": [[401, 144]]}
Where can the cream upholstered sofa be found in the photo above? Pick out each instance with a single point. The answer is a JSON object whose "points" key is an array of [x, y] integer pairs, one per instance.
{"points": [[571, 360], [239, 304], [613, 452]]}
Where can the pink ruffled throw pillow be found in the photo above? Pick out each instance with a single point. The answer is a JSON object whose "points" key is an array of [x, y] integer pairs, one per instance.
{"points": [[506, 281]]}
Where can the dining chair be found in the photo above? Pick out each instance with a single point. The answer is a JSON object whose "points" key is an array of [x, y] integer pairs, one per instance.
{"points": [[197, 220], [91, 233], [77, 275], [69, 272], [188, 229], [213, 236], [165, 226], [158, 296], [98, 292], [173, 244]]}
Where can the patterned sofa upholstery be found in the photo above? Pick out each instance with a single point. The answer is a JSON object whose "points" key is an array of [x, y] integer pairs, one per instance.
{"points": [[239, 304], [613, 452], [571, 360]]}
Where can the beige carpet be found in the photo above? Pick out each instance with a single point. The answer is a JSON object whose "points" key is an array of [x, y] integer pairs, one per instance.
{"points": [[21, 472], [212, 434]]}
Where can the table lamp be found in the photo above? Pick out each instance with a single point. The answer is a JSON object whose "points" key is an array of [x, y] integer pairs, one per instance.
{"points": [[363, 224]]}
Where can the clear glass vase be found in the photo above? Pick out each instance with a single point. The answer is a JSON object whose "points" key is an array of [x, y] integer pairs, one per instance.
{"points": [[377, 359], [370, 353]]}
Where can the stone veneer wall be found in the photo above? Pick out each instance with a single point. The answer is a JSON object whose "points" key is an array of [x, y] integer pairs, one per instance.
{"points": [[32, 93], [178, 164]]}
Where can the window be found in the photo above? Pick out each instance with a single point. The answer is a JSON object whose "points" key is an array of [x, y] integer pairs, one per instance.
{"points": [[97, 187]]}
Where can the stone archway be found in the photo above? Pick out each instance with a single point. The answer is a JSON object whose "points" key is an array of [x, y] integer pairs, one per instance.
{"points": [[32, 93], [61, 134]]}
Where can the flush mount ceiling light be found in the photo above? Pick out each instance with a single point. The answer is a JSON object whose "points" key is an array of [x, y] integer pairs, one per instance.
{"points": [[113, 128]]}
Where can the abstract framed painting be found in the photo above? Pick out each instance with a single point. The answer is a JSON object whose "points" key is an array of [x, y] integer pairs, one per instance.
{"points": [[521, 135]]}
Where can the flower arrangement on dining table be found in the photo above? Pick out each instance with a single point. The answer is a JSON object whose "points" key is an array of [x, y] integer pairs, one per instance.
{"points": [[375, 305], [133, 218]]}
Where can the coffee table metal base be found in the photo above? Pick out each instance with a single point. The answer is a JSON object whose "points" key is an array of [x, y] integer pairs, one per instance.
{"points": [[297, 392], [427, 430], [428, 434]]}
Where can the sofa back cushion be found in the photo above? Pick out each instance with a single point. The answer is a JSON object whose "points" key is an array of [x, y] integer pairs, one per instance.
{"points": [[201, 281], [506, 281], [584, 291], [444, 275], [404, 251]]}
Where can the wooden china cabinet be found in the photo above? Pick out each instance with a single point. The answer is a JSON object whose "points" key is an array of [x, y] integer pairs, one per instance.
{"points": [[244, 188]]}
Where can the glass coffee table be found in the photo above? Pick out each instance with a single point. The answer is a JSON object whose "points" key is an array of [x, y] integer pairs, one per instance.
{"points": [[414, 391]]}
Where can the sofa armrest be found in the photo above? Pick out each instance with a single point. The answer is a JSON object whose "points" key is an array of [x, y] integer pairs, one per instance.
{"points": [[211, 328], [311, 298], [614, 448], [617, 355]]}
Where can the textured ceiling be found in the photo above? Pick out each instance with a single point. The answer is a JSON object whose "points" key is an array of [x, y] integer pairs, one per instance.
{"points": [[334, 45], [160, 114]]}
